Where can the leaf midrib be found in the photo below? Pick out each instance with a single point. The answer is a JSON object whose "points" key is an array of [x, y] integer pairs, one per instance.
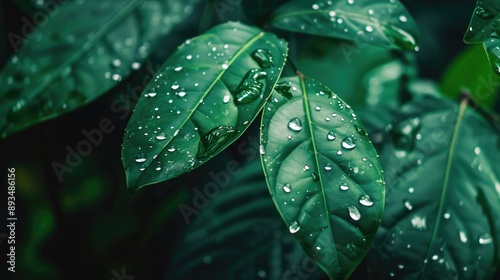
{"points": [[215, 81], [456, 131], [315, 152]]}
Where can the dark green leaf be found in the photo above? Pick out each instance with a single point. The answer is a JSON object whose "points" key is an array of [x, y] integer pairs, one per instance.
{"points": [[378, 22], [79, 53], [323, 174], [202, 99], [442, 218], [239, 235], [484, 28], [484, 21], [472, 71]]}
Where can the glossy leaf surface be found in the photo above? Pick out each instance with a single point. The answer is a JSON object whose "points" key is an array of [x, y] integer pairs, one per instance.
{"points": [[443, 195], [323, 174], [61, 67], [201, 100], [382, 23]]}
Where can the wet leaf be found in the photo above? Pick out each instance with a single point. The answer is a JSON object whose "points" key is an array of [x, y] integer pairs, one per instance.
{"points": [[382, 22], [201, 100], [238, 235], [61, 67], [443, 195], [484, 28], [323, 174]]}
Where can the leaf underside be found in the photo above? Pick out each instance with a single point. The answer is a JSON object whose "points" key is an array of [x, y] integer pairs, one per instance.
{"points": [[323, 174]]}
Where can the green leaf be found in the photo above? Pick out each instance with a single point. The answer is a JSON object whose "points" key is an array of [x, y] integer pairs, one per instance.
{"points": [[201, 100], [484, 28], [323, 174], [442, 217], [472, 71], [378, 22], [79, 53], [238, 235], [484, 21]]}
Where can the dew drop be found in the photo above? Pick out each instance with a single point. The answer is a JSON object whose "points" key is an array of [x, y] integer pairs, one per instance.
{"points": [[224, 66], [365, 200], [318, 108], [140, 158], [263, 57], [403, 18], [463, 237], [161, 137], [331, 136], [348, 143], [295, 125], [344, 187], [485, 239], [354, 213], [226, 99], [294, 227], [262, 150], [408, 205], [328, 166], [287, 188]]}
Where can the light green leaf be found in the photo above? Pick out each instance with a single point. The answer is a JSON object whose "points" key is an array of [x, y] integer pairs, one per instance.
{"points": [[80, 52], [442, 218], [472, 71], [378, 22], [484, 28], [201, 100], [323, 174], [238, 235]]}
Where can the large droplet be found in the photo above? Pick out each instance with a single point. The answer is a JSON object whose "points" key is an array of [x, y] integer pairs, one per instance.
{"points": [[365, 200], [295, 125], [349, 143], [294, 227], [344, 187], [215, 139], [287, 188], [140, 158], [263, 57], [331, 136], [485, 239], [262, 150], [354, 212], [161, 136], [250, 88]]}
